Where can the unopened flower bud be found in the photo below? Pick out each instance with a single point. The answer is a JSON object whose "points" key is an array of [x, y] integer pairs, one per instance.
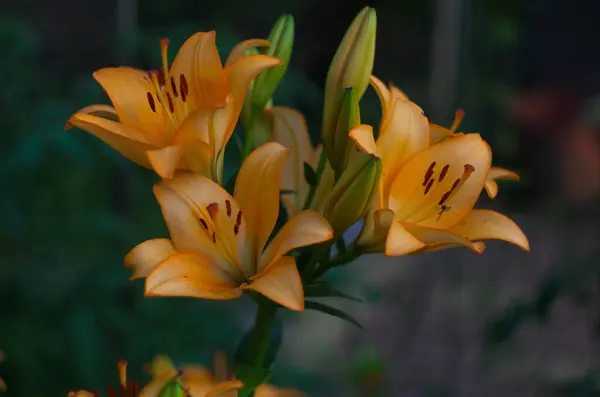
{"points": [[349, 117], [282, 41], [351, 66], [351, 196]]}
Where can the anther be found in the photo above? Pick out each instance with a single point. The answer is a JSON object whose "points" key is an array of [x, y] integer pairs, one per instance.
{"points": [[170, 100], [428, 187], [151, 101], [174, 87], [444, 172], [161, 77], [213, 209], [228, 205]]}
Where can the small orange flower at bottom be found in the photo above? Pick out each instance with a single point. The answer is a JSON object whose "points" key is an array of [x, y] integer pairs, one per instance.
{"points": [[156, 386]]}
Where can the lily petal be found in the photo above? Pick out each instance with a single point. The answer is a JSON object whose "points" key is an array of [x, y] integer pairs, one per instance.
{"points": [[241, 73], [240, 49], [272, 391], [129, 93], [437, 133], [222, 388], [451, 173], [126, 140], [491, 186], [147, 255], [435, 237], [400, 241], [487, 224], [384, 95], [257, 192], [303, 229], [199, 62], [362, 136], [165, 160], [281, 283], [197, 380], [404, 134], [477, 246], [190, 275], [184, 201], [289, 129], [101, 111]]}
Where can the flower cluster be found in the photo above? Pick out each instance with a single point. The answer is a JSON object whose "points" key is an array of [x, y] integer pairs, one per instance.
{"points": [[270, 229]]}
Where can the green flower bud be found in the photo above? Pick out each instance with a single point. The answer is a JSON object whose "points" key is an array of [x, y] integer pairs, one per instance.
{"points": [[349, 117], [351, 196], [351, 66], [282, 41]]}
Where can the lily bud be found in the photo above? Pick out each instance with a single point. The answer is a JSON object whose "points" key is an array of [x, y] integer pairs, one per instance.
{"points": [[282, 41], [351, 66], [351, 197], [348, 118]]}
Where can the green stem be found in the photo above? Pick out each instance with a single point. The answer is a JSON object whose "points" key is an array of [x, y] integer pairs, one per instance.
{"points": [[249, 136], [313, 189], [351, 254], [265, 315]]}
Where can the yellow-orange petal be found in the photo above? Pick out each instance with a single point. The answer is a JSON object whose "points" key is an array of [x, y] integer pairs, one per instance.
{"points": [[257, 193], [434, 236], [451, 173], [223, 389], [383, 93], [281, 283], [437, 133], [128, 141], [240, 49], [241, 73], [272, 391], [491, 186], [477, 246], [488, 225], [199, 62], [362, 136], [79, 393], [130, 94], [190, 275], [100, 111], [303, 229], [147, 255], [400, 241], [165, 160]]}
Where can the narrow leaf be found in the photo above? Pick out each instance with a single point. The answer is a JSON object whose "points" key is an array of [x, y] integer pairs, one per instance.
{"points": [[332, 311], [324, 290], [251, 377]]}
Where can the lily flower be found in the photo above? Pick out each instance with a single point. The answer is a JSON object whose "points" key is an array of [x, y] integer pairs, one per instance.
{"points": [[181, 117], [157, 385], [438, 133], [429, 203], [218, 247], [198, 380]]}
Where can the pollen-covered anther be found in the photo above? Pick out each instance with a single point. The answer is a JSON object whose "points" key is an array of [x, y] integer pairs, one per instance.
{"points": [[228, 207], [428, 187]]}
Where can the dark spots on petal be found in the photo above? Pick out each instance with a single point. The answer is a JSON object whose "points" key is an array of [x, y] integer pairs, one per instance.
{"points": [[469, 169], [174, 87], [183, 87], [428, 187], [170, 100], [444, 172], [204, 224], [151, 101], [214, 237], [238, 221], [428, 174], [446, 195], [228, 207], [236, 229]]}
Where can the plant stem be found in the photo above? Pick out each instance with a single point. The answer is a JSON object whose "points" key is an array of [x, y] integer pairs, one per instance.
{"points": [[351, 254], [265, 315], [313, 189], [249, 136]]}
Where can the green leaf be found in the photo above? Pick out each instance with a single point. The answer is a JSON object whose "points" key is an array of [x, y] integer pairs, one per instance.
{"points": [[332, 311], [310, 175], [324, 290], [173, 389], [242, 353], [230, 185], [251, 377]]}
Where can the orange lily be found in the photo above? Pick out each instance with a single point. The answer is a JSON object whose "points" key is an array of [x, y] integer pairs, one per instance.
{"points": [[438, 133], [158, 384], [179, 118], [217, 247], [427, 193], [198, 380]]}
